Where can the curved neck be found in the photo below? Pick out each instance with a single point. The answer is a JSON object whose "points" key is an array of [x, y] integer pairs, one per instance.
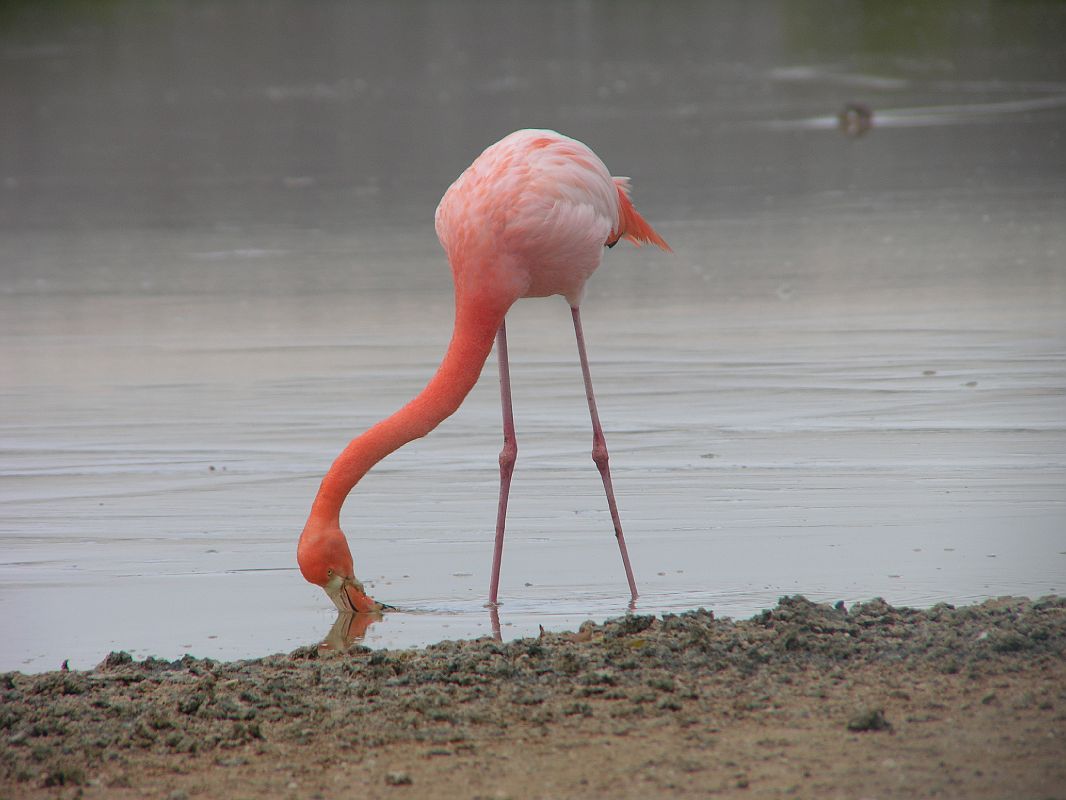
{"points": [[472, 338]]}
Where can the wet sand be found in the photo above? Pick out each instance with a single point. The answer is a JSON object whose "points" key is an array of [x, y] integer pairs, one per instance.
{"points": [[801, 700]]}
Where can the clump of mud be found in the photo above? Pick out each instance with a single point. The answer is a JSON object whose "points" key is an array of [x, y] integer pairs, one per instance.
{"points": [[61, 727]]}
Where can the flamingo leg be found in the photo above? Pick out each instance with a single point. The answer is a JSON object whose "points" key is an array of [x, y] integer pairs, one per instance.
{"points": [[599, 450], [508, 456]]}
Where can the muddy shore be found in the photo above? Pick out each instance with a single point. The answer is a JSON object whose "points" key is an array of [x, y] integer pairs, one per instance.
{"points": [[802, 700]]}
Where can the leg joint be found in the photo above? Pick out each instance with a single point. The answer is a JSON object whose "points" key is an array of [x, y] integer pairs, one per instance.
{"points": [[599, 455], [508, 456]]}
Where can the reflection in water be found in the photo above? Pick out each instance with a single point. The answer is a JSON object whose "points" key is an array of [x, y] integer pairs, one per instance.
{"points": [[494, 620], [350, 629], [347, 630]]}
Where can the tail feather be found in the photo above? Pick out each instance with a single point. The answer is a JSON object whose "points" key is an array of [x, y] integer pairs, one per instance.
{"points": [[631, 225]]}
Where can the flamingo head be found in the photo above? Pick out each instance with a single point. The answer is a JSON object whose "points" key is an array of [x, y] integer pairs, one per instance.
{"points": [[326, 561]]}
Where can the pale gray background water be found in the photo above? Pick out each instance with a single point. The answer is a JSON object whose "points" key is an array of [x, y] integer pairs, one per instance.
{"points": [[217, 264]]}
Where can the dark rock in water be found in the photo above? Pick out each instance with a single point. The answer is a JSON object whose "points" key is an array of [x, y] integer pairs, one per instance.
{"points": [[855, 119]]}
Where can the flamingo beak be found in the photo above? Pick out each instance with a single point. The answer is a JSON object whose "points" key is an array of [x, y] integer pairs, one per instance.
{"points": [[349, 596]]}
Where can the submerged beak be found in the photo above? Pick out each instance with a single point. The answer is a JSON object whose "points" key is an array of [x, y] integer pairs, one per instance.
{"points": [[349, 596]]}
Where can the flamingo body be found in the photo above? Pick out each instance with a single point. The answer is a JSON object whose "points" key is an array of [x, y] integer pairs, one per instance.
{"points": [[530, 217]]}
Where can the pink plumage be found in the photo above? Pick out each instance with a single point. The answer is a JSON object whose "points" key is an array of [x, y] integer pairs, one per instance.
{"points": [[533, 213]]}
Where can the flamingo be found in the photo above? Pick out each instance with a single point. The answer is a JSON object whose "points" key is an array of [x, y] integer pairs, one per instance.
{"points": [[530, 217]]}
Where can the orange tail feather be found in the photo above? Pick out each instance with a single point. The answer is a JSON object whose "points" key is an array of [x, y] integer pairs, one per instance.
{"points": [[632, 225]]}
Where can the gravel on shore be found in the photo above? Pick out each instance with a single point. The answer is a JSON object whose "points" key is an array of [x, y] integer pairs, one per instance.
{"points": [[456, 711]]}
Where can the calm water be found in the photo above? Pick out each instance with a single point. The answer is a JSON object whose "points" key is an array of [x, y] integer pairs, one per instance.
{"points": [[217, 265]]}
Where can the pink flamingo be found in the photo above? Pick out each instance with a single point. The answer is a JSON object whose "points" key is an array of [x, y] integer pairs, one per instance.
{"points": [[529, 218]]}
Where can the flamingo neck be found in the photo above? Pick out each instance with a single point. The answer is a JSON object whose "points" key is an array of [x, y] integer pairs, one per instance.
{"points": [[472, 338]]}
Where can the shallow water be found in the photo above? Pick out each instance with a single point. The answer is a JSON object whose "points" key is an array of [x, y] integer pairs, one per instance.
{"points": [[849, 380]]}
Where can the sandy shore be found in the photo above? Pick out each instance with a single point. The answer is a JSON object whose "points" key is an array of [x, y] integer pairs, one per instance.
{"points": [[804, 700]]}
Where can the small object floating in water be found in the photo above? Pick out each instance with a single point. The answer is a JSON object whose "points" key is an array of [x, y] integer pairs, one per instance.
{"points": [[855, 119]]}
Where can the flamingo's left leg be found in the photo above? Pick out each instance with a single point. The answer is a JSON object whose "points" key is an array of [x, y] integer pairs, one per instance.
{"points": [[508, 456], [599, 451]]}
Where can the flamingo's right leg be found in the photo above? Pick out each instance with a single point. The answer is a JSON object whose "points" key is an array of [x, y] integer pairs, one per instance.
{"points": [[599, 451], [508, 456]]}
